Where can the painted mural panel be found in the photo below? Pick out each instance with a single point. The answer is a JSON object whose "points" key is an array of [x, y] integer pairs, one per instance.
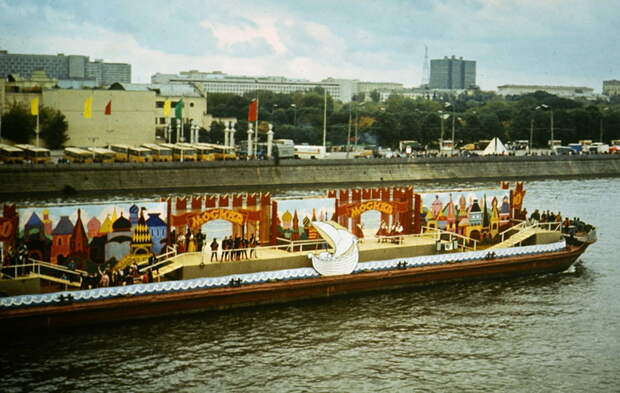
{"points": [[480, 214], [295, 215], [98, 232]]}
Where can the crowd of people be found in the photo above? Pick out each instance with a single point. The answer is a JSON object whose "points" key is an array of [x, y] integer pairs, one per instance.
{"points": [[545, 217], [231, 248], [109, 277], [387, 233], [15, 256], [568, 226]]}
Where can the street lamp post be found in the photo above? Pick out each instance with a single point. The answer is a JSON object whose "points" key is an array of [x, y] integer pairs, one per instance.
{"points": [[356, 122], [294, 114], [349, 132], [529, 147], [442, 116], [453, 122], [600, 139], [547, 107]]}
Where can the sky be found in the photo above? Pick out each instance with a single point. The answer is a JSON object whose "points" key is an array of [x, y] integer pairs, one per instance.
{"points": [[544, 42]]}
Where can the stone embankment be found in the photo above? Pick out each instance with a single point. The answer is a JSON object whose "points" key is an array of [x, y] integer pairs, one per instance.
{"points": [[250, 175]]}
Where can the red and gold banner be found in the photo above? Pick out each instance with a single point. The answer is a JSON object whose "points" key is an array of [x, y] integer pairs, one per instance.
{"points": [[356, 209], [196, 220]]}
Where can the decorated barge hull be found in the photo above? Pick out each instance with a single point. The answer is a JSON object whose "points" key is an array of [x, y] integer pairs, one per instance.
{"points": [[237, 294]]}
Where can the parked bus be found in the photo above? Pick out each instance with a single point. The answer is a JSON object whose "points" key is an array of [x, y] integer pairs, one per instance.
{"points": [[121, 152], [140, 154], [284, 147], [204, 151], [36, 155], [310, 152], [78, 156], [224, 152], [159, 153], [11, 154], [102, 155], [181, 153]]}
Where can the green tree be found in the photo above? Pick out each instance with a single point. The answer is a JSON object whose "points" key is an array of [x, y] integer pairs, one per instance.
{"points": [[215, 133], [375, 96], [18, 125], [53, 128]]}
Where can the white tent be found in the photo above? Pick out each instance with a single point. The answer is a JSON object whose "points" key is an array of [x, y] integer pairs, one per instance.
{"points": [[495, 147]]}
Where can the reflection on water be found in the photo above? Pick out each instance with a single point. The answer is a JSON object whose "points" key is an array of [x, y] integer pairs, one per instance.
{"points": [[547, 333]]}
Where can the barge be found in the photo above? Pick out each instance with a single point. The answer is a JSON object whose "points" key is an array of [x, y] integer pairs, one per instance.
{"points": [[337, 259]]}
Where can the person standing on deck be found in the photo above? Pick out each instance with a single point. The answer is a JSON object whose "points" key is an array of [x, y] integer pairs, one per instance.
{"points": [[214, 247], [200, 239]]}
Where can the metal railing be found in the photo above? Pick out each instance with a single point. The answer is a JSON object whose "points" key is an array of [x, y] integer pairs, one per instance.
{"points": [[464, 240], [42, 269], [524, 225]]}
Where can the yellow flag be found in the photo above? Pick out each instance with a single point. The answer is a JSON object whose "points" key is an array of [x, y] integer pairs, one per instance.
{"points": [[88, 108], [167, 108], [34, 106]]}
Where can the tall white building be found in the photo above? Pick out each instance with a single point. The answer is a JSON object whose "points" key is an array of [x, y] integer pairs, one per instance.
{"points": [[560, 91], [218, 82]]}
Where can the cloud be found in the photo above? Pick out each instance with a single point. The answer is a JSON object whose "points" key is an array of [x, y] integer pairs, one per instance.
{"points": [[545, 42]]}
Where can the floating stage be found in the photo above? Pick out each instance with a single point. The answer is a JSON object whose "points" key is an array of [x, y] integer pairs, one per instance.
{"points": [[351, 241]]}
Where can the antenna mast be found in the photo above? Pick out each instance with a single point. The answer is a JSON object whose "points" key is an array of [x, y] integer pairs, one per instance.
{"points": [[425, 68]]}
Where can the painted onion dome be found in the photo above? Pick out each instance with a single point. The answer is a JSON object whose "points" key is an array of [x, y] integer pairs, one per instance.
{"points": [[121, 225], [505, 208], [93, 225], [475, 207], [154, 221], [134, 210]]}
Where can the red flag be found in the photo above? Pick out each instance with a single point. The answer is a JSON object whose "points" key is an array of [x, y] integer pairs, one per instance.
{"points": [[108, 108], [253, 110]]}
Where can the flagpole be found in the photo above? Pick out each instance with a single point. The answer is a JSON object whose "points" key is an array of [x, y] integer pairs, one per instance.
{"points": [[256, 124], [109, 116], [324, 115], [37, 129]]}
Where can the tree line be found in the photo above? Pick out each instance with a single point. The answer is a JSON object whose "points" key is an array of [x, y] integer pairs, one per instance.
{"points": [[299, 116], [473, 116], [19, 126]]}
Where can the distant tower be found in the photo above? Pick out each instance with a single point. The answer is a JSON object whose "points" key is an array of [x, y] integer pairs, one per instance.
{"points": [[425, 68]]}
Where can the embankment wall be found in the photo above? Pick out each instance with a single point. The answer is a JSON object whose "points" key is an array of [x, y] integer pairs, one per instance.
{"points": [[206, 176]]}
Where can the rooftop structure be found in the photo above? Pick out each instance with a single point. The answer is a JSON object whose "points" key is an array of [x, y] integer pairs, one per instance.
{"points": [[560, 91], [218, 82], [65, 68], [611, 88]]}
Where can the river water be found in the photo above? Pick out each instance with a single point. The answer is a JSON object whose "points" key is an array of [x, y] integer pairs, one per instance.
{"points": [[547, 333]]}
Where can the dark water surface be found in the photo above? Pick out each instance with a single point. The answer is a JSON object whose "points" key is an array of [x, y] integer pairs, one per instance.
{"points": [[548, 333]]}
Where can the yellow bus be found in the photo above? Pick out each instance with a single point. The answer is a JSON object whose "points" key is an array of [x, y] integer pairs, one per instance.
{"points": [[204, 152], [140, 154], [36, 155], [102, 155], [121, 152], [181, 153], [159, 153], [78, 156], [11, 154], [223, 152]]}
